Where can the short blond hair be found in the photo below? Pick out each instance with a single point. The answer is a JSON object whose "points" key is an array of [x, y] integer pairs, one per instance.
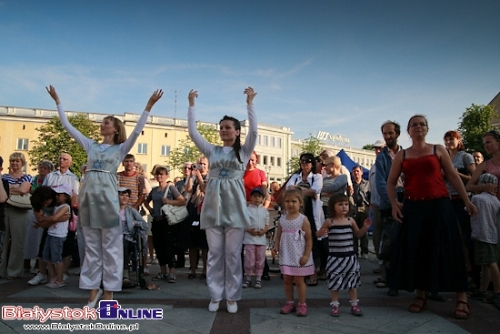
{"points": [[335, 160], [18, 156]]}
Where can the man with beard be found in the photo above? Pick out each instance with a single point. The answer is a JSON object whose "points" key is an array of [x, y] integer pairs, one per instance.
{"points": [[383, 163]]}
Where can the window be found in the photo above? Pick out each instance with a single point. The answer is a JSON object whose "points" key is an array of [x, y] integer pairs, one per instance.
{"points": [[278, 142], [258, 140], [264, 143], [295, 152], [22, 144], [142, 148], [272, 161], [265, 160], [278, 161], [271, 143], [165, 150]]}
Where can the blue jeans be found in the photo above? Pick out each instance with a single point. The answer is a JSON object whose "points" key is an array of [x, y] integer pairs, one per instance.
{"points": [[53, 249]]}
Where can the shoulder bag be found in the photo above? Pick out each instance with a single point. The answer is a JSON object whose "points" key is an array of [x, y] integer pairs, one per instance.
{"points": [[20, 201], [174, 214]]}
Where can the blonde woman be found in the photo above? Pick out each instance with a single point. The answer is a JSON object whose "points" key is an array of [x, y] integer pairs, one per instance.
{"points": [[16, 219], [99, 209]]}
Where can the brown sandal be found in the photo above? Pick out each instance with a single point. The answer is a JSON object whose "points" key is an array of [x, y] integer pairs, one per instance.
{"points": [[418, 305], [461, 313]]}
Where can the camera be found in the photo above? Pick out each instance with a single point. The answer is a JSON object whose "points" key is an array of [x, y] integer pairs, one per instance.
{"points": [[193, 167]]}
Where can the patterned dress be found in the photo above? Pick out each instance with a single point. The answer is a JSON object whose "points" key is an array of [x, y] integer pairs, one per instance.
{"points": [[292, 245], [342, 267]]}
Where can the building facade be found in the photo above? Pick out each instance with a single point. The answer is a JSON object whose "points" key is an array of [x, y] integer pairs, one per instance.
{"points": [[161, 135]]}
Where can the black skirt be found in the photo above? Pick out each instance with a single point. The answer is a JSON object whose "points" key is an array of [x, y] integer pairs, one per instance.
{"points": [[428, 253]]}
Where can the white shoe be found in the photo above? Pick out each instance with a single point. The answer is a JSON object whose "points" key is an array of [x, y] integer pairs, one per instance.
{"points": [[65, 277], [93, 303], [232, 308], [38, 279], [213, 306]]}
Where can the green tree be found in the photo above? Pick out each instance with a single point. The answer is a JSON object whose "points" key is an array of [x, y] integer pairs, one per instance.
{"points": [[474, 123], [368, 147], [310, 145], [54, 139], [187, 150]]}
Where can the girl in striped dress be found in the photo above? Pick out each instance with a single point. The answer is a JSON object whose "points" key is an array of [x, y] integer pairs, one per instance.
{"points": [[342, 267]]}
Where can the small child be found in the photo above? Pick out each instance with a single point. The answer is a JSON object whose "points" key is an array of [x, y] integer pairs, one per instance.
{"points": [[130, 218], [56, 235], [294, 244], [485, 237], [342, 267], [255, 240]]}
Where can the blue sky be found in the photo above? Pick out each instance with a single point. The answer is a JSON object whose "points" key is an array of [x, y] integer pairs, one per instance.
{"points": [[338, 66]]}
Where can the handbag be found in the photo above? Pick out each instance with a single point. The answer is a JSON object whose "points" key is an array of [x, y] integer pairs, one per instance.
{"points": [[72, 223], [174, 214], [20, 201]]}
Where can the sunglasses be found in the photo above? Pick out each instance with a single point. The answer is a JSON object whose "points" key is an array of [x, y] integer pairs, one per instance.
{"points": [[305, 161]]}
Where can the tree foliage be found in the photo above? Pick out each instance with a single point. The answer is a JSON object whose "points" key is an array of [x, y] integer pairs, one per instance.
{"points": [[368, 147], [474, 123], [54, 139], [187, 151], [310, 145]]}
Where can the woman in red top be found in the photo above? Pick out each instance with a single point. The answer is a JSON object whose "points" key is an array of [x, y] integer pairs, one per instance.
{"points": [[254, 178], [428, 253]]}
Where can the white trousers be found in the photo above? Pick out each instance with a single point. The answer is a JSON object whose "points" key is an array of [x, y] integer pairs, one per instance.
{"points": [[224, 268], [103, 259]]}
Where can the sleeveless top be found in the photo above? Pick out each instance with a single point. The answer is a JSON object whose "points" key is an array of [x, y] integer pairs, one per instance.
{"points": [[423, 178], [341, 240], [224, 204], [98, 198]]}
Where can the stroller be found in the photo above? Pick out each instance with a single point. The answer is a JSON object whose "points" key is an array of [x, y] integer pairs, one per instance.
{"points": [[271, 232], [136, 260]]}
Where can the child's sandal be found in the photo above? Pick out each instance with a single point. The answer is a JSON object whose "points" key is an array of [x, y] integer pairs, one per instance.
{"points": [[461, 312], [418, 305]]}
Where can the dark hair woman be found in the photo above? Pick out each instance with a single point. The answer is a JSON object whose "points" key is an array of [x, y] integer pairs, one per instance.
{"points": [[224, 215], [427, 255]]}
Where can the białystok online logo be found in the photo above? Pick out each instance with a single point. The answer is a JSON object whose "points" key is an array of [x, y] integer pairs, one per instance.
{"points": [[108, 310]]}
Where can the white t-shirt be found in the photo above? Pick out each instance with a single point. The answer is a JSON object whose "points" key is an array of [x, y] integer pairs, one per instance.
{"points": [[60, 229]]}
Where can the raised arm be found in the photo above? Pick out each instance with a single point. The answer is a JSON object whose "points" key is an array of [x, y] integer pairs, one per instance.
{"points": [[200, 142], [79, 137], [129, 143], [251, 138]]}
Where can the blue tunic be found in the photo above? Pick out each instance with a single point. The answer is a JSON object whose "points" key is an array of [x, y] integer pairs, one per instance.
{"points": [[98, 199], [224, 203]]}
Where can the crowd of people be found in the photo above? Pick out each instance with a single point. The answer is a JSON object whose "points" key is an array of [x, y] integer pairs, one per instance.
{"points": [[413, 199]]}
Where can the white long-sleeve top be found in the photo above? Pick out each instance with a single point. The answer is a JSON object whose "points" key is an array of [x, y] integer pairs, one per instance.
{"points": [[206, 148], [125, 147]]}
